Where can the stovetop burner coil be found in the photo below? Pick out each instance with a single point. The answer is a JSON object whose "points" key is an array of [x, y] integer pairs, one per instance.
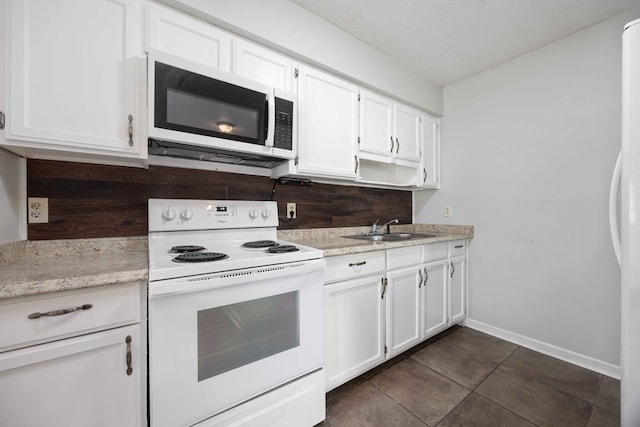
{"points": [[282, 249], [185, 249], [260, 244], [200, 257]]}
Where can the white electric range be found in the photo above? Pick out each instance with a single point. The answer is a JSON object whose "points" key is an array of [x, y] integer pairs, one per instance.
{"points": [[235, 317]]}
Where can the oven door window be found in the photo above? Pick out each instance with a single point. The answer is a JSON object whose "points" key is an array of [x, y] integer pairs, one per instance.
{"points": [[197, 104], [238, 334]]}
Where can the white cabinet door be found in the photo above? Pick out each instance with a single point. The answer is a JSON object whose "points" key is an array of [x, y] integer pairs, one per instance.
{"points": [[429, 176], [328, 125], [403, 310], [188, 38], [354, 328], [80, 381], [406, 133], [434, 298], [457, 283], [73, 71], [376, 119], [263, 65]]}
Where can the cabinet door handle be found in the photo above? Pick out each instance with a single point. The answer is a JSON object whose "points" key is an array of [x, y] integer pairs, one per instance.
{"points": [[1, 120], [421, 279], [458, 246], [453, 269], [384, 287], [357, 264], [397, 145], [356, 158], [129, 368], [130, 130], [424, 171], [60, 312], [426, 276], [391, 138]]}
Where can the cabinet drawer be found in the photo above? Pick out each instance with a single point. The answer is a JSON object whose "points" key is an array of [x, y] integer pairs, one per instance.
{"points": [[457, 248], [110, 306], [355, 265], [403, 257], [434, 251]]}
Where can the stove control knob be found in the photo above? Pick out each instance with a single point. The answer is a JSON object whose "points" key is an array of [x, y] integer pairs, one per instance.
{"points": [[186, 214], [266, 213], [253, 213], [169, 214]]}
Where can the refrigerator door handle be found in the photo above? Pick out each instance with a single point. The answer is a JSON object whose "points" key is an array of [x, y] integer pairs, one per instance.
{"points": [[613, 207]]}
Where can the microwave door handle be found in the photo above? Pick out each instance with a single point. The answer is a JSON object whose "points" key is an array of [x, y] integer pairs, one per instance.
{"points": [[271, 120]]}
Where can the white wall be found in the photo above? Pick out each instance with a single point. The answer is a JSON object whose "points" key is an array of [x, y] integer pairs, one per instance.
{"points": [[12, 197], [290, 28], [528, 148]]}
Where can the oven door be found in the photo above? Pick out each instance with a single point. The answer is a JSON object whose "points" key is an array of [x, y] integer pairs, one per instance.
{"points": [[216, 347], [197, 105]]}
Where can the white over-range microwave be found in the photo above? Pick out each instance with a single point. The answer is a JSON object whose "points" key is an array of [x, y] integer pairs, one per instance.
{"points": [[200, 113]]}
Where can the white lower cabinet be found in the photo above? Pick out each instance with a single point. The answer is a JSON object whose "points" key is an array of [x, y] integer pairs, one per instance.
{"points": [[433, 298], [380, 304], [403, 310], [354, 316], [91, 379], [426, 292], [457, 280]]}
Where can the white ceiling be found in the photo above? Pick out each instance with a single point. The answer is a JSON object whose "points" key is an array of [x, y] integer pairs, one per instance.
{"points": [[450, 40]]}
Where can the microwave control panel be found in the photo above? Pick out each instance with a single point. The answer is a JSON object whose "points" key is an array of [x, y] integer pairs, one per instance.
{"points": [[283, 132]]}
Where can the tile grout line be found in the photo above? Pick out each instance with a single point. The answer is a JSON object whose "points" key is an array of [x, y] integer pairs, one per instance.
{"points": [[491, 400]]}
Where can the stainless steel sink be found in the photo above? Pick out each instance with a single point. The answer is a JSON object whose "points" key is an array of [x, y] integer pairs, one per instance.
{"points": [[392, 237]]}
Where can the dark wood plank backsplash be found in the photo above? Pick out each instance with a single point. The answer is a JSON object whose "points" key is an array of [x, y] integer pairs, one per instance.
{"points": [[88, 201]]}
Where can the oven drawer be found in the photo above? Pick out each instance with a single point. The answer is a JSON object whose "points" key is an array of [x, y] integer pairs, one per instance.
{"points": [[345, 267], [25, 321]]}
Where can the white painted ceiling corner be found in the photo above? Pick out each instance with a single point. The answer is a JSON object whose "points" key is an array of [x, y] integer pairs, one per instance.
{"points": [[446, 41]]}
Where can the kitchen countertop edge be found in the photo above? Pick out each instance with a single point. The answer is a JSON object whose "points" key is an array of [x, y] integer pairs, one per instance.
{"points": [[30, 268], [332, 241]]}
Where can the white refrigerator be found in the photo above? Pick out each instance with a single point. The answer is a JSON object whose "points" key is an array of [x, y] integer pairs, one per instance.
{"points": [[627, 243]]}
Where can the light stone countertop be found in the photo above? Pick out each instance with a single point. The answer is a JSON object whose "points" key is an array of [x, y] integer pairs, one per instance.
{"points": [[333, 243], [39, 267]]}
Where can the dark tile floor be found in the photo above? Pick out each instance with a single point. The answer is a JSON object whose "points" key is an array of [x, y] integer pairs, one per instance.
{"points": [[466, 378]]}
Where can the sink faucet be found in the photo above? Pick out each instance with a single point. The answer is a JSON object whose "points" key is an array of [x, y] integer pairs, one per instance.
{"points": [[375, 226]]}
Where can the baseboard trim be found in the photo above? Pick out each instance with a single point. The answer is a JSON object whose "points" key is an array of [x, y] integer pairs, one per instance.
{"points": [[586, 362]]}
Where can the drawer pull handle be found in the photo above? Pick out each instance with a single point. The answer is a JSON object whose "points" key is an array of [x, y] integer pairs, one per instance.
{"points": [[357, 264], [129, 368], [60, 312], [458, 246]]}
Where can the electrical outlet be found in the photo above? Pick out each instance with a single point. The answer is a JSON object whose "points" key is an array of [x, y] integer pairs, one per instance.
{"points": [[447, 211], [291, 211], [38, 210]]}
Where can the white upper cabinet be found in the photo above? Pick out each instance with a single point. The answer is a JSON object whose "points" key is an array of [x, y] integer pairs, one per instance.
{"points": [[429, 175], [328, 125], [376, 127], [188, 38], [264, 66], [406, 132], [74, 71], [389, 131]]}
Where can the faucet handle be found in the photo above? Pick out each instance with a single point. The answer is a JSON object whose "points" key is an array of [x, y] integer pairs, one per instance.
{"points": [[374, 227]]}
